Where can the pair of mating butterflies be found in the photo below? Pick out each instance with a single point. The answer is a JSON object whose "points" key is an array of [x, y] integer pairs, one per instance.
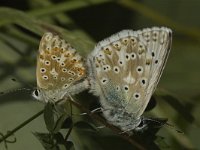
{"points": [[123, 70]]}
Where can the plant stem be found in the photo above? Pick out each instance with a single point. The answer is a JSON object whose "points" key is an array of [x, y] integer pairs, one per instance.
{"points": [[68, 133], [21, 126]]}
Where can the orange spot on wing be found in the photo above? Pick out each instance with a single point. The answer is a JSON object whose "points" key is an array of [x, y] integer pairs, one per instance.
{"points": [[56, 49], [41, 57], [107, 51]]}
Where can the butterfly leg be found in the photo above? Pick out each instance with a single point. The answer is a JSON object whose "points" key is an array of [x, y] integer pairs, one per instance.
{"points": [[79, 87], [96, 110], [101, 127]]}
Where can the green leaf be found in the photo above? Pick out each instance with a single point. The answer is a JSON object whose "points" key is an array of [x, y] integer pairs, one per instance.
{"points": [[49, 117], [162, 143], [54, 141], [62, 143], [69, 145], [46, 140], [67, 123], [20, 18], [82, 44], [59, 123], [85, 126], [175, 102], [55, 118]]}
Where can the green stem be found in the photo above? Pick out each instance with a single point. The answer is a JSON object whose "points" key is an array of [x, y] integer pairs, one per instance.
{"points": [[21, 126], [68, 133]]}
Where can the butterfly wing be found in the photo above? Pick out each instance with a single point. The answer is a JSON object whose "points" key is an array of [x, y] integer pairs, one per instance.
{"points": [[158, 44], [106, 71], [124, 73], [113, 61], [58, 65]]}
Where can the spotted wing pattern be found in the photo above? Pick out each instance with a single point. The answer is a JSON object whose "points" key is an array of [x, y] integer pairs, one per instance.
{"points": [[126, 67], [59, 66]]}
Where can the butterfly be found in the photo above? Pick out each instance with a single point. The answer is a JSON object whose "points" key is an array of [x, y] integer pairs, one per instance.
{"points": [[124, 70], [60, 70]]}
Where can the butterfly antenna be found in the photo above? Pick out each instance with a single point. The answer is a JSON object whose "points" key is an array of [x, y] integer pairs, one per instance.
{"points": [[30, 89], [26, 84], [165, 124], [154, 120], [16, 90], [174, 128]]}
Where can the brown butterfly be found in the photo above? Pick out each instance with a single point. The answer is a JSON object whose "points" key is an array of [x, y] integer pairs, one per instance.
{"points": [[60, 70]]}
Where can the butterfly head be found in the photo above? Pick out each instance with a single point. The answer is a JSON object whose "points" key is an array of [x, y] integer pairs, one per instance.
{"points": [[48, 95]]}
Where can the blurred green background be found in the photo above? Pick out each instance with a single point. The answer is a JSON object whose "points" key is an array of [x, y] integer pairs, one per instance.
{"points": [[83, 23]]}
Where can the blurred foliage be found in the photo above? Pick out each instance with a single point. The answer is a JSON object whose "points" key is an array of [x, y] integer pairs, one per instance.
{"points": [[83, 23]]}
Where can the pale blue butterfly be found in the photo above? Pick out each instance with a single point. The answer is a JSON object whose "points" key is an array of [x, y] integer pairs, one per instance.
{"points": [[124, 71]]}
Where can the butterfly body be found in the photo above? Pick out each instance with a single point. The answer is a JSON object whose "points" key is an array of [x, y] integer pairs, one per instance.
{"points": [[59, 69], [124, 71]]}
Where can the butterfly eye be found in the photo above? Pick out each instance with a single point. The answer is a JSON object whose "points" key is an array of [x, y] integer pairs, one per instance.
{"points": [[142, 124], [36, 94]]}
